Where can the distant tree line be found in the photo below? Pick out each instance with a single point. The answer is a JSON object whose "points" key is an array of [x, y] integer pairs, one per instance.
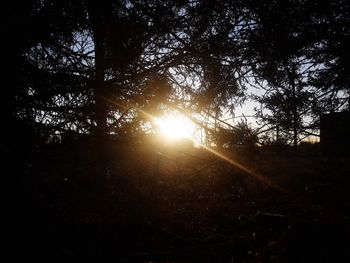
{"points": [[107, 67]]}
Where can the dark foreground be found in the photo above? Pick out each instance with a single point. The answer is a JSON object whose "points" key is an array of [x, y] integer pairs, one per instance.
{"points": [[181, 205]]}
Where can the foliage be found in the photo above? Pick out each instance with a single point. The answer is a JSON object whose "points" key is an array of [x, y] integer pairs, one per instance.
{"points": [[97, 67], [243, 136]]}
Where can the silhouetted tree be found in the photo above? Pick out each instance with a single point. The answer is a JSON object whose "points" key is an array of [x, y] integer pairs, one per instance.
{"points": [[241, 136], [98, 67], [290, 47]]}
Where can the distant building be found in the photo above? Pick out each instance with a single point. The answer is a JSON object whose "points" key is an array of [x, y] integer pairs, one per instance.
{"points": [[335, 134]]}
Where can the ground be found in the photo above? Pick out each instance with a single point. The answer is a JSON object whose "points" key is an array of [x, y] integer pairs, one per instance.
{"points": [[183, 205]]}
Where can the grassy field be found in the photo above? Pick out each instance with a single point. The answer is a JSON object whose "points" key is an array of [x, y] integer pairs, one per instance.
{"points": [[183, 204]]}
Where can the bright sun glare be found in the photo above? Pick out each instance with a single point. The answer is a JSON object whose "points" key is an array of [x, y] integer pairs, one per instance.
{"points": [[176, 127]]}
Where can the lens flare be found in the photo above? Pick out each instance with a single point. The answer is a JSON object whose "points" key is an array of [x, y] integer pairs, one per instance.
{"points": [[248, 171]]}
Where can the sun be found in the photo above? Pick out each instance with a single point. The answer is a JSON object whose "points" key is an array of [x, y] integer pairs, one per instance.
{"points": [[175, 127]]}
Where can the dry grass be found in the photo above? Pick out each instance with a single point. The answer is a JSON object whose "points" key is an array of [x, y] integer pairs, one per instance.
{"points": [[191, 205]]}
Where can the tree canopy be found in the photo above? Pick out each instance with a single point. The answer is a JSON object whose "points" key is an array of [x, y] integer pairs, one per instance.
{"points": [[107, 67]]}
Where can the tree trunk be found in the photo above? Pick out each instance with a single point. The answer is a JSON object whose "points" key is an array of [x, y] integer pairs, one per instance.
{"points": [[95, 12], [291, 71], [295, 111], [100, 144]]}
